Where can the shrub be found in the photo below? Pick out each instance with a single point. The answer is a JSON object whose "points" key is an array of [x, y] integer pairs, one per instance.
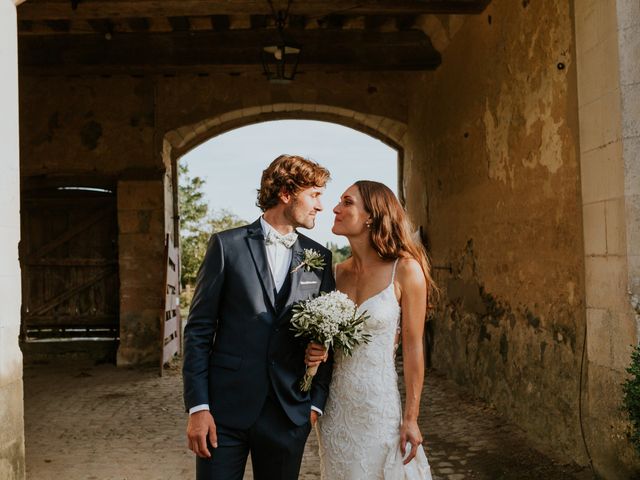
{"points": [[631, 399]]}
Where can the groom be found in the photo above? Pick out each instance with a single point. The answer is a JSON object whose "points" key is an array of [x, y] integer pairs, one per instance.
{"points": [[242, 363]]}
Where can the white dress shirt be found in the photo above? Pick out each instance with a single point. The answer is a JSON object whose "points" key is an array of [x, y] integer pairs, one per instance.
{"points": [[278, 256], [279, 259]]}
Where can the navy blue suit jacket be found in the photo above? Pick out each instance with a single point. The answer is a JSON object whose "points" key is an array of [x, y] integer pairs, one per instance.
{"points": [[237, 343]]}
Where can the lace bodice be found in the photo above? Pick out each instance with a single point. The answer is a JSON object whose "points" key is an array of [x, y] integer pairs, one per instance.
{"points": [[359, 431], [383, 326]]}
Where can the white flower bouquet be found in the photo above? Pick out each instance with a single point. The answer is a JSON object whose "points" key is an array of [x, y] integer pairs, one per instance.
{"points": [[332, 320]]}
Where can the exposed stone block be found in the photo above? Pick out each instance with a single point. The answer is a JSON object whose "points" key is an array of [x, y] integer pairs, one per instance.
{"points": [[10, 354], [605, 423], [606, 281], [602, 173], [632, 223], [174, 138], [230, 115], [616, 225], [139, 338], [141, 221], [595, 234], [139, 297], [251, 111], [629, 55], [12, 452], [631, 110], [586, 24], [138, 195], [628, 14], [9, 238]]}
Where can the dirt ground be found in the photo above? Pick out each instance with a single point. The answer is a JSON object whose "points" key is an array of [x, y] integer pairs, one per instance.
{"points": [[98, 422]]}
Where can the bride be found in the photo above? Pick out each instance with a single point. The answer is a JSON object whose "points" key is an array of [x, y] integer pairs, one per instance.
{"points": [[363, 433]]}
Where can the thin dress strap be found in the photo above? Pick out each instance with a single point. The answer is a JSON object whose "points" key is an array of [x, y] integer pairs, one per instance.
{"points": [[393, 272]]}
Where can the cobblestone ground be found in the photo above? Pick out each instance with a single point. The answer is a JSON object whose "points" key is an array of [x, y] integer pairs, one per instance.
{"points": [[103, 423]]}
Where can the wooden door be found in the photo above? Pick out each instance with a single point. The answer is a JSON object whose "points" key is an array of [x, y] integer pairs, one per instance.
{"points": [[69, 260]]}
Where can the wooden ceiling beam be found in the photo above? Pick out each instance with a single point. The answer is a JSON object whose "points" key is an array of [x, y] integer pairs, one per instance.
{"points": [[209, 69], [195, 50], [87, 9], [180, 24]]}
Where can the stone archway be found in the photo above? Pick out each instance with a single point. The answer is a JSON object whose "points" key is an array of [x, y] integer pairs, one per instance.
{"points": [[156, 198], [179, 141], [153, 129], [388, 130]]}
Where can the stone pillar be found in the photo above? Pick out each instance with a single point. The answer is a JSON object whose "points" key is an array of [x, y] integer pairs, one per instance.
{"points": [[608, 48], [629, 47], [141, 224], [12, 465]]}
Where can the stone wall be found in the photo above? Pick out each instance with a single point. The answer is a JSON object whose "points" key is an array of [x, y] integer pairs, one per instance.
{"points": [[492, 148], [100, 131], [87, 126], [141, 225], [496, 170], [128, 132], [608, 49], [12, 465]]}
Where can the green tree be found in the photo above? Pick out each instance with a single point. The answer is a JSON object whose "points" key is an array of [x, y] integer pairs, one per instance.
{"points": [[340, 254], [197, 224], [192, 205], [193, 210]]}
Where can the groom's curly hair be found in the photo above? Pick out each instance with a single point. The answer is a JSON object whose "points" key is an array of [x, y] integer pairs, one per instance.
{"points": [[289, 174]]}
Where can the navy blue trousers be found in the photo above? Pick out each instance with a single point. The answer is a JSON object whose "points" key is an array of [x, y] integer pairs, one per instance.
{"points": [[275, 442]]}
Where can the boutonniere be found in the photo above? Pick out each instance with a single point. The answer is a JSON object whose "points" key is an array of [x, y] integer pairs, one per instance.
{"points": [[311, 260]]}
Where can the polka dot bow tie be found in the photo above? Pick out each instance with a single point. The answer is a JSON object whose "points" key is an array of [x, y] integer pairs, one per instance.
{"points": [[287, 240]]}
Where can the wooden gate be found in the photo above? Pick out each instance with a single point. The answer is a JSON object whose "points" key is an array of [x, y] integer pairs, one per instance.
{"points": [[170, 316], [69, 260]]}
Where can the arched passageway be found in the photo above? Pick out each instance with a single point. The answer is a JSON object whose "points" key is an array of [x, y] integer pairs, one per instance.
{"points": [[231, 164], [181, 140], [519, 159]]}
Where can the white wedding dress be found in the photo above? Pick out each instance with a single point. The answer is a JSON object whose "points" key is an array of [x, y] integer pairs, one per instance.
{"points": [[359, 432]]}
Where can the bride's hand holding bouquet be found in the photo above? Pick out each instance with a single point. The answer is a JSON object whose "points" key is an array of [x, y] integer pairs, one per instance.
{"points": [[330, 320]]}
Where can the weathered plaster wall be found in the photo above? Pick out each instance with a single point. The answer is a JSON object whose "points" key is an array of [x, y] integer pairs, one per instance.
{"points": [[90, 126], [127, 132], [12, 465], [492, 151]]}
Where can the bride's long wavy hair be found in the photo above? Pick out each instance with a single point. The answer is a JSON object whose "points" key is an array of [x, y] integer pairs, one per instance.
{"points": [[391, 232]]}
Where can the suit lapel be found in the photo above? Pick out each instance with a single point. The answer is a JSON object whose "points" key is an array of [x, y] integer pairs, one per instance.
{"points": [[296, 257], [255, 241]]}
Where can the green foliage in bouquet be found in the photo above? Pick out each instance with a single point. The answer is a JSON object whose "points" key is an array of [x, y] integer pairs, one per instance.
{"points": [[332, 320]]}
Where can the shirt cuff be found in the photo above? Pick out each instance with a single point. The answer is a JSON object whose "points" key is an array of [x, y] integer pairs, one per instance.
{"points": [[199, 408], [316, 409]]}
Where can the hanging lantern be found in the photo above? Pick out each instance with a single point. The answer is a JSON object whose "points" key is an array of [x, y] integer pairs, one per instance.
{"points": [[280, 61]]}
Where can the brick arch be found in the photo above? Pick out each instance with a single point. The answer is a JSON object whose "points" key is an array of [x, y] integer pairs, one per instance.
{"points": [[179, 141]]}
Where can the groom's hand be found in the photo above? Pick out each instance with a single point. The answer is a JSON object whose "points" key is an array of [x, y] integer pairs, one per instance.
{"points": [[315, 354], [201, 425]]}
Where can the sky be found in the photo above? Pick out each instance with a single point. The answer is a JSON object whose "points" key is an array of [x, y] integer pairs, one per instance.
{"points": [[232, 164]]}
